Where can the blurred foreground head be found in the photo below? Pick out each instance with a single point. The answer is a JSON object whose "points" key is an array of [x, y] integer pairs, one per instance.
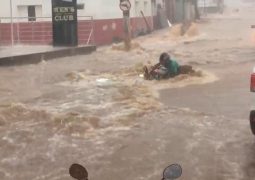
{"points": [[78, 172]]}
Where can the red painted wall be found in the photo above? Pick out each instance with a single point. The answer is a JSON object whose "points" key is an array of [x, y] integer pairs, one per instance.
{"points": [[26, 33], [41, 32], [5, 33], [106, 30]]}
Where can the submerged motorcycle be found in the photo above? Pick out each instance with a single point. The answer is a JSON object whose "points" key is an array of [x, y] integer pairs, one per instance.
{"points": [[171, 172]]}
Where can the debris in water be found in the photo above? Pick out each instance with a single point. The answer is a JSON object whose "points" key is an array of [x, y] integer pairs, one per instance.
{"points": [[103, 82], [75, 76], [183, 80], [197, 73], [121, 46], [193, 30], [135, 70], [176, 30]]}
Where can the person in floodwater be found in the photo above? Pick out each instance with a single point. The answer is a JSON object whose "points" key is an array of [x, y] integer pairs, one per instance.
{"points": [[166, 68]]}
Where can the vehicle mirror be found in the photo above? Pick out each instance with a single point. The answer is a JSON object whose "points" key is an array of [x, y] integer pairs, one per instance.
{"points": [[252, 85], [78, 172], [172, 172]]}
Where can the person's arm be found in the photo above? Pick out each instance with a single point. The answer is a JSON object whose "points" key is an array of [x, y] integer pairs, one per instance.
{"points": [[154, 67]]}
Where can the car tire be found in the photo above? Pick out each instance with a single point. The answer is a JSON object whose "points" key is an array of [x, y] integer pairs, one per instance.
{"points": [[252, 121]]}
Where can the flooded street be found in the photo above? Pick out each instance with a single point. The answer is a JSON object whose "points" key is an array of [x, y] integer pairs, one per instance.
{"points": [[95, 109]]}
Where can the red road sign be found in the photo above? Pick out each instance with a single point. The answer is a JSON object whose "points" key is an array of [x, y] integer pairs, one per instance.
{"points": [[125, 5]]}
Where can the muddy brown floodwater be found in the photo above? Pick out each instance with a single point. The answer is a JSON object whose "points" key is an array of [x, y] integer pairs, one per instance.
{"points": [[97, 111]]}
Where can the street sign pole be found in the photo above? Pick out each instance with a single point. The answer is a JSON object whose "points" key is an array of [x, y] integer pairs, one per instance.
{"points": [[125, 6], [127, 30]]}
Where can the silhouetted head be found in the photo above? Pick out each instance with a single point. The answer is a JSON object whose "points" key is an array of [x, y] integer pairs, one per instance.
{"points": [[78, 172], [164, 57]]}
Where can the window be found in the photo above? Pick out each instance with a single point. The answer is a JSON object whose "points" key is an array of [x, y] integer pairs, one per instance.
{"points": [[80, 6], [31, 13]]}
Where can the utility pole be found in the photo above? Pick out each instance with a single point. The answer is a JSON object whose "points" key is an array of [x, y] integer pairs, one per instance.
{"points": [[125, 6], [127, 30]]}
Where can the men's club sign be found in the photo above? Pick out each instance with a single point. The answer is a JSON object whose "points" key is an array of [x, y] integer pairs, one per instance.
{"points": [[64, 13], [64, 18]]}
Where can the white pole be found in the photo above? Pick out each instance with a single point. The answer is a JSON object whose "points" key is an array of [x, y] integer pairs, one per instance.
{"points": [[11, 23]]}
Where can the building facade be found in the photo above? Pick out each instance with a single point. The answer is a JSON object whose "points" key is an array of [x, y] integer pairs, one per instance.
{"points": [[100, 21], [178, 11], [211, 6]]}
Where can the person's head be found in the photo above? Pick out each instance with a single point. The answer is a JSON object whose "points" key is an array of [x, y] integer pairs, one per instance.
{"points": [[164, 57]]}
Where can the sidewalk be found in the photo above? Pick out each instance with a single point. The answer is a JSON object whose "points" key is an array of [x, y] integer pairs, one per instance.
{"points": [[20, 55]]}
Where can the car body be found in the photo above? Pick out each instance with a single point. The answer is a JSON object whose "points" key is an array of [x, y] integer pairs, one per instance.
{"points": [[252, 113]]}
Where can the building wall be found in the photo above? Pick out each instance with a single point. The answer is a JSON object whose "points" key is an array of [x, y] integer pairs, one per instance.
{"points": [[211, 6], [207, 3], [108, 23], [179, 12], [233, 3], [189, 10], [19, 8], [185, 11], [170, 10], [99, 9]]}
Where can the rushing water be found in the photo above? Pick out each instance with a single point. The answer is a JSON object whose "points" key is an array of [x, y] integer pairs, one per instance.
{"points": [[74, 109]]}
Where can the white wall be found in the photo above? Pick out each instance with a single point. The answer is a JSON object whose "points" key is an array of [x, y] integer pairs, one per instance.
{"points": [[43, 3], [99, 9], [233, 3], [207, 3], [4, 8], [141, 5], [19, 9], [109, 9], [155, 7]]}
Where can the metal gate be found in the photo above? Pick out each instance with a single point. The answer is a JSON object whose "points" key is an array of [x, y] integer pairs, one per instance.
{"points": [[19, 30]]}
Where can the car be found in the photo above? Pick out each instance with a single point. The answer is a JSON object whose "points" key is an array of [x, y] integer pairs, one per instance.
{"points": [[252, 113]]}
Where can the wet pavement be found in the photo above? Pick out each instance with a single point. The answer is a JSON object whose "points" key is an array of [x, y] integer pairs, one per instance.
{"points": [[17, 50], [96, 110], [230, 96]]}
